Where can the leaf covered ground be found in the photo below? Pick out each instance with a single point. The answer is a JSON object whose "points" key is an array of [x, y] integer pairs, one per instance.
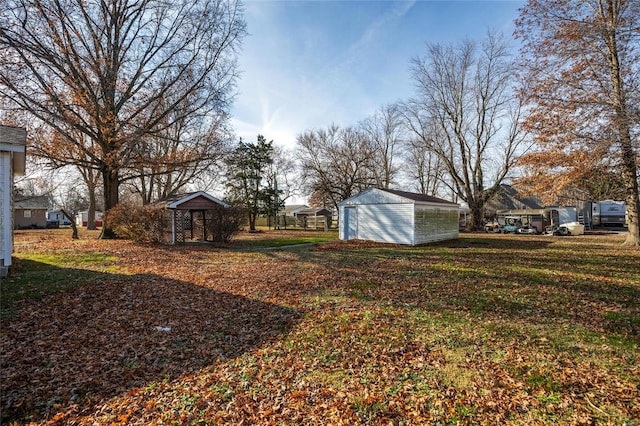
{"points": [[487, 329]]}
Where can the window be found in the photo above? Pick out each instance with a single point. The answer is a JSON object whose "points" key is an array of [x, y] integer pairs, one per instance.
{"points": [[27, 213]]}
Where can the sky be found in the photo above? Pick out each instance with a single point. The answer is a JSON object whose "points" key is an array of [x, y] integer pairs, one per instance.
{"points": [[306, 64]]}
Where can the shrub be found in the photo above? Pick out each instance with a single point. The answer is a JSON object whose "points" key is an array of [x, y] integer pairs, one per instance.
{"points": [[141, 224], [226, 223], [151, 223]]}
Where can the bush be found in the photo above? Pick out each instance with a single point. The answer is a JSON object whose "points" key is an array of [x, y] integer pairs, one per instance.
{"points": [[141, 224], [152, 223], [226, 223]]}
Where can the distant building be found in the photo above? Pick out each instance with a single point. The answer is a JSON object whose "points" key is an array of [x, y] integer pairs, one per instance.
{"points": [[508, 198], [292, 209], [82, 218], [188, 217], [57, 218], [314, 218], [31, 212]]}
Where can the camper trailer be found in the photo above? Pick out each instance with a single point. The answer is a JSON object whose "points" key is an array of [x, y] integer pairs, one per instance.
{"points": [[609, 213]]}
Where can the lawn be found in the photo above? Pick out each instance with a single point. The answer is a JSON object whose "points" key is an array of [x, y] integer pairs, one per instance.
{"points": [[487, 329]]}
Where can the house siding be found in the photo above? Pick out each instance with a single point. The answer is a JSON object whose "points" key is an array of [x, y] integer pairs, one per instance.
{"points": [[12, 161], [6, 228], [26, 218]]}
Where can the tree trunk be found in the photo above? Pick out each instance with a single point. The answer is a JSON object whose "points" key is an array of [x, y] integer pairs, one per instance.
{"points": [[477, 215], [252, 221], [632, 199], [111, 183], [91, 214], [74, 228], [623, 127]]}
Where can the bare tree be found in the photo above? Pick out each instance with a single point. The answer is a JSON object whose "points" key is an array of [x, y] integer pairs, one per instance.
{"points": [[336, 163], [465, 112], [424, 168], [50, 147], [168, 162], [386, 132], [115, 70], [581, 68]]}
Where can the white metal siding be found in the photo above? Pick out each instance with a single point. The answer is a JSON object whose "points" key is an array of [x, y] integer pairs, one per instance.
{"points": [[391, 218], [6, 231], [435, 224], [387, 223]]}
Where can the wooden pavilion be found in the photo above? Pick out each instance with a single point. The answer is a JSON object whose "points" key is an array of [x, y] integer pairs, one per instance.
{"points": [[191, 215]]}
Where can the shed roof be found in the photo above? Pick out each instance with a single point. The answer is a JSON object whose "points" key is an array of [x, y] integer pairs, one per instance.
{"points": [[314, 211], [176, 200], [391, 196], [417, 197]]}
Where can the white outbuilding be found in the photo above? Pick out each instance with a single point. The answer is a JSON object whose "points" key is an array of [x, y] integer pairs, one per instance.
{"points": [[399, 217]]}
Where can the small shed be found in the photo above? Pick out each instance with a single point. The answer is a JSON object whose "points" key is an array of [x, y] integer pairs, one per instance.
{"points": [[399, 217], [190, 215], [12, 162], [315, 218]]}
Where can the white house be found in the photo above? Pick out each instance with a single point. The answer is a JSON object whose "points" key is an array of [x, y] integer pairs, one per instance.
{"points": [[59, 217], [391, 216], [12, 162], [292, 209]]}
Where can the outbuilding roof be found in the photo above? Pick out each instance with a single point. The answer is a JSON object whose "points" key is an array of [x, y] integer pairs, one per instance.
{"points": [[392, 196], [416, 196], [292, 208], [314, 211], [177, 200]]}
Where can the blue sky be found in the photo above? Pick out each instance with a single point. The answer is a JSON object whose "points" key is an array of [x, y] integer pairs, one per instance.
{"points": [[307, 64]]}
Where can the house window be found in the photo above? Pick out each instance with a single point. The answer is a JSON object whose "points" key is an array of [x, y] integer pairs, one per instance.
{"points": [[27, 213]]}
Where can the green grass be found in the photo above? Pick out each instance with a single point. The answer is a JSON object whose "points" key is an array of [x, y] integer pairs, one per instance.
{"points": [[482, 330], [42, 274], [287, 241]]}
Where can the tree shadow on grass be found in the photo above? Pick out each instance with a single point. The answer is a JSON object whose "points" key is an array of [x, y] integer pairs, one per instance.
{"points": [[117, 333]]}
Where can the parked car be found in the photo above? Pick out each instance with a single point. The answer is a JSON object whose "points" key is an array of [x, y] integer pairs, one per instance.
{"points": [[558, 231], [532, 230], [492, 228]]}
